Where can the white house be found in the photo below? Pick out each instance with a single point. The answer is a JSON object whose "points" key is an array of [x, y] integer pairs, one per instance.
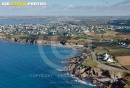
{"points": [[106, 57], [110, 60]]}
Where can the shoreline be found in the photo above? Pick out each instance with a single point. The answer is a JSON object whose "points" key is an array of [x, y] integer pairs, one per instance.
{"points": [[99, 76], [69, 61], [57, 44], [75, 67]]}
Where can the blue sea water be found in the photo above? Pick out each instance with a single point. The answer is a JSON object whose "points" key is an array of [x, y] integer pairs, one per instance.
{"points": [[13, 21], [22, 66]]}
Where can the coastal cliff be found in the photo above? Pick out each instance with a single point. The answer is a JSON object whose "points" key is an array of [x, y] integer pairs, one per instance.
{"points": [[83, 68], [28, 40]]}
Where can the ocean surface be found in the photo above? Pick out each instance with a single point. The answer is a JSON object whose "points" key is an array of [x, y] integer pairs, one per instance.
{"points": [[26, 66], [13, 21]]}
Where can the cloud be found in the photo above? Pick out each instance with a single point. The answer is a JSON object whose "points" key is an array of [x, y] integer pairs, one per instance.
{"points": [[70, 7], [126, 2], [106, 1], [121, 8]]}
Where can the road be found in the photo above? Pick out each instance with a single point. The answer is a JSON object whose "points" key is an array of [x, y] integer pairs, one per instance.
{"points": [[106, 66]]}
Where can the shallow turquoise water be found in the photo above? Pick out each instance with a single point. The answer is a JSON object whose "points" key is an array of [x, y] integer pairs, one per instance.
{"points": [[21, 66]]}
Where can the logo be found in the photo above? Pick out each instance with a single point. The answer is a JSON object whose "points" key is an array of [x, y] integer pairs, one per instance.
{"points": [[23, 3]]}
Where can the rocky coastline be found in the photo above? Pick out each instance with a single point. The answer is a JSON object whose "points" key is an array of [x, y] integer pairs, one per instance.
{"points": [[100, 77], [25, 40], [41, 42]]}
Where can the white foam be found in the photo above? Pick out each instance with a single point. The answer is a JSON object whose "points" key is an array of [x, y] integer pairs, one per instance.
{"points": [[60, 70], [82, 81], [62, 62]]}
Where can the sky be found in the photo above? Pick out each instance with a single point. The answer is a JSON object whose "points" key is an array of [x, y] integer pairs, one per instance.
{"points": [[69, 8]]}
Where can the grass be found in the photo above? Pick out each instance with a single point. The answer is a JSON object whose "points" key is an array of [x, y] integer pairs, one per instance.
{"points": [[127, 86], [120, 52], [128, 80], [101, 52], [115, 38], [90, 62], [21, 35], [115, 50], [81, 36], [127, 67], [128, 83], [102, 61]]}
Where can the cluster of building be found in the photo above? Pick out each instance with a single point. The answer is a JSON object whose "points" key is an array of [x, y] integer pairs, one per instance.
{"points": [[56, 29]]}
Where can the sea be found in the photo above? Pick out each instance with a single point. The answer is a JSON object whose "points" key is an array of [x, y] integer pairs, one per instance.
{"points": [[23, 21], [36, 66]]}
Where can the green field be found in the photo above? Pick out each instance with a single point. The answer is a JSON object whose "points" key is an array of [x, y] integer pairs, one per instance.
{"points": [[116, 51], [90, 62]]}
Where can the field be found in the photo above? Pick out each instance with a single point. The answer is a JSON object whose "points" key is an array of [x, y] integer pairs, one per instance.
{"points": [[90, 62], [107, 34], [125, 36], [113, 50], [79, 41], [118, 51], [110, 33], [124, 61]]}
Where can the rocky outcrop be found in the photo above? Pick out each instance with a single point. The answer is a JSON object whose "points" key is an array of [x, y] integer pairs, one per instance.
{"points": [[100, 77], [70, 67], [29, 40], [74, 60]]}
